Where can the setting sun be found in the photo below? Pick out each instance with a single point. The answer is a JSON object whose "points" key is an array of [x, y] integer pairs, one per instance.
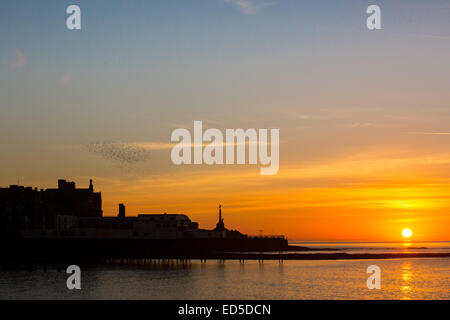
{"points": [[407, 233]]}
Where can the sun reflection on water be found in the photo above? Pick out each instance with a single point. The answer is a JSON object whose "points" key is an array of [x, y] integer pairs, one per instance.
{"points": [[406, 279], [406, 247]]}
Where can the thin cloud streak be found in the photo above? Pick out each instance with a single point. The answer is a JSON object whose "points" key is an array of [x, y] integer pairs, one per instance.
{"points": [[432, 133], [155, 146]]}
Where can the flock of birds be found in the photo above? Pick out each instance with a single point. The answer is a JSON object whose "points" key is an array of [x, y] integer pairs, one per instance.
{"points": [[125, 153]]}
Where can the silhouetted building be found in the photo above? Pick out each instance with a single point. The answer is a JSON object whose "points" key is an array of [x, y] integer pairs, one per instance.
{"points": [[25, 207], [19, 207], [69, 201]]}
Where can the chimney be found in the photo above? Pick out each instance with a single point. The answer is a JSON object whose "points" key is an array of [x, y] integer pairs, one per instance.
{"points": [[91, 186], [121, 210]]}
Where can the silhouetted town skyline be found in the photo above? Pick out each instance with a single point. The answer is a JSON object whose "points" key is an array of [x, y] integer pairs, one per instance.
{"points": [[77, 212], [68, 220]]}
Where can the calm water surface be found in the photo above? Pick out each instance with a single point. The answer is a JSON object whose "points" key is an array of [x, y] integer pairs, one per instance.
{"points": [[426, 278], [412, 278]]}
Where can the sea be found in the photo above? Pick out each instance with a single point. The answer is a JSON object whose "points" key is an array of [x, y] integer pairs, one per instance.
{"points": [[406, 278]]}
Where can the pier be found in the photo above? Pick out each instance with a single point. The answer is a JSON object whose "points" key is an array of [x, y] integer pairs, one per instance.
{"points": [[183, 260]]}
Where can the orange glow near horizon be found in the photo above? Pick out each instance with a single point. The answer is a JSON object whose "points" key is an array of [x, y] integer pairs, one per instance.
{"points": [[324, 202]]}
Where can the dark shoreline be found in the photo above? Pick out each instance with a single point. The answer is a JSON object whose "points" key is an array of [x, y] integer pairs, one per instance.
{"points": [[302, 249], [328, 256]]}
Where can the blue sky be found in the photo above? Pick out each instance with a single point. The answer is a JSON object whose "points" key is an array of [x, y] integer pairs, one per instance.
{"points": [[141, 63], [138, 61]]}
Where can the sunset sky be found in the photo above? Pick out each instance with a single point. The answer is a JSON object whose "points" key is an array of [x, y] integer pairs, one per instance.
{"points": [[364, 116]]}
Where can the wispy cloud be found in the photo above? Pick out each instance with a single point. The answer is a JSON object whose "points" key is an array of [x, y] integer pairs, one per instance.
{"points": [[432, 133], [417, 35], [19, 60], [250, 6], [152, 145]]}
